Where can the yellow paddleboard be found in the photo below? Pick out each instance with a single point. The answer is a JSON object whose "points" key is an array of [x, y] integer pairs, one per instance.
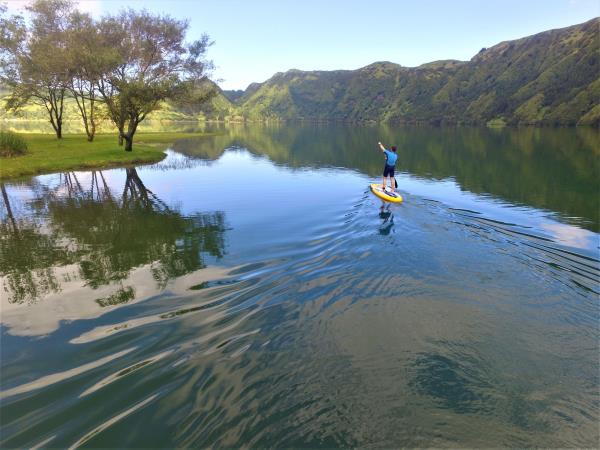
{"points": [[393, 197]]}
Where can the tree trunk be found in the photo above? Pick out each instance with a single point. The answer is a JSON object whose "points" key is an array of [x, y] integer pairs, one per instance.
{"points": [[56, 125], [87, 130], [92, 132], [93, 129], [79, 94], [128, 143], [8, 209], [121, 128], [131, 128]]}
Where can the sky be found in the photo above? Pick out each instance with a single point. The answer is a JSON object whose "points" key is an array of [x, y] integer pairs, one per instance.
{"points": [[255, 39]]}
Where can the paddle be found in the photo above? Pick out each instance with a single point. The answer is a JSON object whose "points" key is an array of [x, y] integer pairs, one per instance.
{"points": [[395, 183]]}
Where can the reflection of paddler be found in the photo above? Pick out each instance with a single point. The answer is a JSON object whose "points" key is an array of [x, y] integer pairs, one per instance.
{"points": [[384, 212], [388, 219]]}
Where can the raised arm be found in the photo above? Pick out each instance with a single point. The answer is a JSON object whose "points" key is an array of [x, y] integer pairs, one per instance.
{"points": [[381, 146]]}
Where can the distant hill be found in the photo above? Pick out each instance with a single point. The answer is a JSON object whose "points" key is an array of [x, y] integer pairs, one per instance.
{"points": [[34, 118], [550, 78], [233, 95]]}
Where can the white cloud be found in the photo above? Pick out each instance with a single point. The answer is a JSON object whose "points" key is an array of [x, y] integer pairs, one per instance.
{"points": [[93, 7], [17, 5], [571, 236]]}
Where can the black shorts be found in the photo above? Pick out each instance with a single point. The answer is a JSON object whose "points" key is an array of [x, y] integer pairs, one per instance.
{"points": [[388, 171]]}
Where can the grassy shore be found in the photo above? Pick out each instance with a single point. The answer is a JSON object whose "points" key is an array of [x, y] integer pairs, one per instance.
{"points": [[46, 154]]}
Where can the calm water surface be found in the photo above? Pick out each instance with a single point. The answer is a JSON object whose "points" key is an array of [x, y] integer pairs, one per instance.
{"points": [[249, 290]]}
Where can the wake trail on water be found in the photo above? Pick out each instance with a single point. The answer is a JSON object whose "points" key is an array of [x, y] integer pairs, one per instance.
{"points": [[266, 339]]}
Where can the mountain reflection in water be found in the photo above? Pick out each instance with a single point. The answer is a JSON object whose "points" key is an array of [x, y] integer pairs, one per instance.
{"points": [[553, 168]]}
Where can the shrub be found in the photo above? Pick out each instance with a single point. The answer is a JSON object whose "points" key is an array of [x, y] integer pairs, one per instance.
{"points": [[11, 144]]}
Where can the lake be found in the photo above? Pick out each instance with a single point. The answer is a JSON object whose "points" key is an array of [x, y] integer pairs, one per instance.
{"points": [[249, 290]]}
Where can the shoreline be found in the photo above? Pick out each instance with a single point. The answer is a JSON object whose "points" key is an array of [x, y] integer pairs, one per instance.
{"points": [[240, 120], [46, 154]]}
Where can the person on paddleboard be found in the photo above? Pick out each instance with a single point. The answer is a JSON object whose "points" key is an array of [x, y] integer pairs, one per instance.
{"points": [[390, 166]]}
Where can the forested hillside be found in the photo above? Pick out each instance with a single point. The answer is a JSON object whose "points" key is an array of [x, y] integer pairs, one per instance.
{"points": [[549, 78]]}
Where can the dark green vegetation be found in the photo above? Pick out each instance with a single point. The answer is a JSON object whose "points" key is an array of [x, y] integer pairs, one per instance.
{"points": [[47, 155], [11, 144], [121, 67], [551, 78]]}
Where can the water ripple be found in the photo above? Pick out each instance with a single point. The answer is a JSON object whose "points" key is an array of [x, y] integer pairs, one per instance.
{"points": [[352, 337]]}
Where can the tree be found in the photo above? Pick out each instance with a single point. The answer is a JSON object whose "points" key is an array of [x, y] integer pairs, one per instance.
{"points": [[12, 39], [85, 68], [148, 64], [34, 63]]}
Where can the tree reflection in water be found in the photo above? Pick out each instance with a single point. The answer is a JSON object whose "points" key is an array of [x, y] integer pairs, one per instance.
{"points": [[27, 255], [88, 233]]}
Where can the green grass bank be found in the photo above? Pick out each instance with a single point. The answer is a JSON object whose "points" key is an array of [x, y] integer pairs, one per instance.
{"points": [[46, 154]]}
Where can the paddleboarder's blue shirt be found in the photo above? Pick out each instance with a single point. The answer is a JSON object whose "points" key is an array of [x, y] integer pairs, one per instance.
{"points": [[391, 158]]}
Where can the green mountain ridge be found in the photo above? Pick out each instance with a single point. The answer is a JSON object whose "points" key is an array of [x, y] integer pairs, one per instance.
{"points": [[549, 78]]}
